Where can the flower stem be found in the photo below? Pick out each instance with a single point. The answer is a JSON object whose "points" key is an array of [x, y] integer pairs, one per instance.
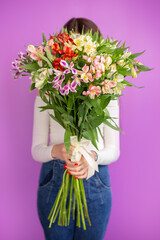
{"points": [[84, 200], [80, 204], [70, 199]]}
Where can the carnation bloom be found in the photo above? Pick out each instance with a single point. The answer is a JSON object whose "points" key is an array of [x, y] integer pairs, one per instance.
{"points": [[92, 91]]}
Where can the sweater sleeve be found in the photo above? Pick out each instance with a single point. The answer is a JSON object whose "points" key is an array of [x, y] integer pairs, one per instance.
{"points": [[111, 151], [40, 149]]}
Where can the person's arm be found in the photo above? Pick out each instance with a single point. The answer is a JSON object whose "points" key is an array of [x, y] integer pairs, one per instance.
{"points": [[111, 151], [40, 150]]}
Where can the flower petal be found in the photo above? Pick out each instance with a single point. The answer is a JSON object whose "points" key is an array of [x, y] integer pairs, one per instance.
{"points": [[64, 63]]}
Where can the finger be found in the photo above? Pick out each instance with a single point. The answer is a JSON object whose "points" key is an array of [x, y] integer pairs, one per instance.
{"points": [[78, 173], [68, 162], [74, 168], [82, 176]]}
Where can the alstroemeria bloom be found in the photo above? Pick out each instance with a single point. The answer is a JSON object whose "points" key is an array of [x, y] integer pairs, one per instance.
{"points": [[58, 74], [45, 72], [88, 59], [108, 61], [69, 86], [69, 67], [77, 80], [92, 91], [118, 77], [34, 53], [86, 74], [107, 85], [113, 69], [98, 74], [57, 84], [126, 54]]}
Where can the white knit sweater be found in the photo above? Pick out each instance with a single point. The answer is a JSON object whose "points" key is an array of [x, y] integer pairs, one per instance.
{"points": [[45, 128]]}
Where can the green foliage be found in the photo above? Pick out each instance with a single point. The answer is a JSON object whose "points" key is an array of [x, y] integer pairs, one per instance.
{"points": [[30, 66], [44, 38], [49, 55], [67, 141], [32, 87], [46, 60]]}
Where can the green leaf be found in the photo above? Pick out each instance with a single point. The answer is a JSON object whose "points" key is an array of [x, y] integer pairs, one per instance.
{"points": [[46, 59], [42, 95], [43, 108], [32, 87], [61, 109], [134, 55], [49, 55], [129, 84], [70, 103], [105, 101], [44, 38], [112, 126], [30, 66], [67, 141], [100, 132], [56, 118], [143, 68]]}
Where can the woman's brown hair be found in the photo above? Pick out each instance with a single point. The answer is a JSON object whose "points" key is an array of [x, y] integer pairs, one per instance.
{"points": [[78, 23]]}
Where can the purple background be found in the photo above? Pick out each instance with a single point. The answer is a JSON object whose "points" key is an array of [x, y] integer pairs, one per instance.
{"points": [[135, 177]]}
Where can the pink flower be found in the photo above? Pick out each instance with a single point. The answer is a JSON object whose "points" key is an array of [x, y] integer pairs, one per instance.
{"points": [[98, 74], [88, 59], [34, 53], [92, 91], [96, 60], [107, 85], [86, 74]]}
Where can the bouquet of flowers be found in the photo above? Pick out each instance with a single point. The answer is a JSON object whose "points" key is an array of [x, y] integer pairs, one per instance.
{"points": [[80, 74]]}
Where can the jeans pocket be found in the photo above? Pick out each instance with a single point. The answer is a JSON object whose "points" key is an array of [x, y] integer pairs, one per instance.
{"points": [[46, 175], [103, 177]]}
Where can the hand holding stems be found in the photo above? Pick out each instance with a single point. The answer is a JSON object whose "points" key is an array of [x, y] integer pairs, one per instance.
{"points": [[79, 169]]}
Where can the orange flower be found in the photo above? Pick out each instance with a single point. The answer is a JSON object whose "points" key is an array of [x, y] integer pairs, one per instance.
{"points": [[56, 64], [68, 53], [64, 37]]}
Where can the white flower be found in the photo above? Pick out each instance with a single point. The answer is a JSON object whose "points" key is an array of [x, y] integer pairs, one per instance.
{"points": [[38, 82], [126, 55], [118, 77]]}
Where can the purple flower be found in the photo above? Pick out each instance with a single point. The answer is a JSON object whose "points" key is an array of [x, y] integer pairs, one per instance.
{"points": [[17, 71], [70, 68], [69, 86]]}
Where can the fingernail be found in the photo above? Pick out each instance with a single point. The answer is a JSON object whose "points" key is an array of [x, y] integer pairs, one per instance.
{"points": [[69, 172], [76, 164], [75, 177], [64, 167]]}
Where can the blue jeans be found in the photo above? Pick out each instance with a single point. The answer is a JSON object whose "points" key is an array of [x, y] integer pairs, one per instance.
{"points": [[98, 196]]}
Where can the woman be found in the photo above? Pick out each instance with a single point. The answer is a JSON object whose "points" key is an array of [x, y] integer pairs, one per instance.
{"points": [[55, 160]]}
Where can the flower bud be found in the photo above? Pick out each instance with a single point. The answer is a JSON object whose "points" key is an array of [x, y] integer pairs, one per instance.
{"points": [[133, 72]]}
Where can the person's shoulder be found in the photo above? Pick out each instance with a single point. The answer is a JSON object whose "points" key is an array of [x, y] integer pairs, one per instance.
{"points": [[114, 103]]}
